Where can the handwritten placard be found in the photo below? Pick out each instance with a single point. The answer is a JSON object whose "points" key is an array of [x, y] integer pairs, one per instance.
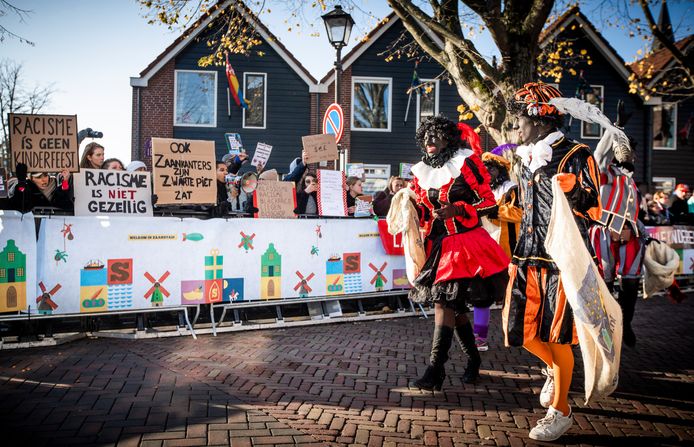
{"points": [[234, 143], [45, 143], [363, 206], [355, 170], [275, 200], [261, 156], [332, 200], [99, 192], [184, 171], [406, 171], [321, 147]]}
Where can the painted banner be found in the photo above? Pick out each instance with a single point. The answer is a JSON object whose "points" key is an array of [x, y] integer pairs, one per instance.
{"points": [[681, 239], [45, 143], [332, 196], [102, 192], [123, 263], [184, 171], [18, 265], [321, 147]]}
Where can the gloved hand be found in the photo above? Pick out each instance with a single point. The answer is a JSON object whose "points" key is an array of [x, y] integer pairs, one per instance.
{"points": [[567, 182], [448, 210], [21, 172]]}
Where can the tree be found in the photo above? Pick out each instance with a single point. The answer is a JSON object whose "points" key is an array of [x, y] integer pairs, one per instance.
{"points": [[9, 9], [16, 98]]}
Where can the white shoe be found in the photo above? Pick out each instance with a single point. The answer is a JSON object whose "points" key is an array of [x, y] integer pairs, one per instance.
{"points": [[547, 393], [552, 426]]}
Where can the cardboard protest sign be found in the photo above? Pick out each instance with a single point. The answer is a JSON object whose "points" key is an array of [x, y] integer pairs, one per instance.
{"points": [[234, 143], [184, 171], [99, 192], [261, 156], [275, 200], [45, 143], [320, 147], [406, 171], [355, 170], [332, 196], [363, 206]]}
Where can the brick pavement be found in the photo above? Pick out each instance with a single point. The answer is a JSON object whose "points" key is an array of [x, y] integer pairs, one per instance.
{"points": [[343, 384]]}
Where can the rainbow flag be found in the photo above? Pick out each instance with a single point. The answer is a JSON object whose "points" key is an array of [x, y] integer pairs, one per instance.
{"points": [[234, 87]]}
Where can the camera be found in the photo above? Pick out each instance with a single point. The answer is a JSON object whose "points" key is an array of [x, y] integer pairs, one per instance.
{"points": [[88, 133]]}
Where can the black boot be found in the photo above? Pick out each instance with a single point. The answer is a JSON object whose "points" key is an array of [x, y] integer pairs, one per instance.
{"points": [[627, 301], [435, 373], [466, 337]]}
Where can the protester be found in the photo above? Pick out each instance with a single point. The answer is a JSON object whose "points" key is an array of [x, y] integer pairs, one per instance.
{"points": [[353, 185], [536, 314], [222, 205], [679, 210], [136, 166], [382, 199], [463, 262], [38, 190], [660, 208], [307, 195], [297, 168], [92, 157], [113, 164], [234, 162]]}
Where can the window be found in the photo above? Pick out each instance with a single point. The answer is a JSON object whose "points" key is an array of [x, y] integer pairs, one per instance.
{"points": [[664, 126], [10, 257], [428, 99], [20, 272], [371, 104], [195, 98], [3, 273], [255, 91], [375, 178], [596, 97]]}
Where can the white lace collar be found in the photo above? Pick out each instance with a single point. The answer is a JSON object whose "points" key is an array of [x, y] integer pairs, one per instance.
{"points": [[429, 177], [535, 156], [500, 190]]}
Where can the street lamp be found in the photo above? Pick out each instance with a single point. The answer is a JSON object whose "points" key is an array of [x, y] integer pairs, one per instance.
{"points": [[338, 25]]}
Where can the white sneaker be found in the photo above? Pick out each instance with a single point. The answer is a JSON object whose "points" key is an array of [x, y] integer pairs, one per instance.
{"points": [[552, 426], [547, 393]]}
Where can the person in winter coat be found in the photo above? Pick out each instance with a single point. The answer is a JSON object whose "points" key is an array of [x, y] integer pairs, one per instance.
{"points": [[39, 190], [382, 199]]}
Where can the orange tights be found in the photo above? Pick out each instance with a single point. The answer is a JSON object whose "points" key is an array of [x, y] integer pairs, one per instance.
{"points": [[561, 359]]}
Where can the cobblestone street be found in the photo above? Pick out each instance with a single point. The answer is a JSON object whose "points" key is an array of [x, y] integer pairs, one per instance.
{"points": [[342, 384]]}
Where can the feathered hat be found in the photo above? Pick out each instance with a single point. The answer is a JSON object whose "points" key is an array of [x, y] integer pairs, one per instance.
{"points": [[498, 159], [468, 134], [536, 96]]}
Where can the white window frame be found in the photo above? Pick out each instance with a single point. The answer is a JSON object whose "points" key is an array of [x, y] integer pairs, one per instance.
{"points": [[602, 109], [436, 96], [264, 75], [373, 80], [675, 108], [214, 121]]}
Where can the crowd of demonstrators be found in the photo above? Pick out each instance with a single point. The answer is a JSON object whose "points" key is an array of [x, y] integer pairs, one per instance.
{"points": [[660, 209]]}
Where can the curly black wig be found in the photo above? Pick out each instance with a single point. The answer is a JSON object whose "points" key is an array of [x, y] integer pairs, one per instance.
{"points": [[445, 129], [501, 169]]}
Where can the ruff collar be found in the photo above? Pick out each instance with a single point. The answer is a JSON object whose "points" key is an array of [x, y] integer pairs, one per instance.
{"points": [[535, 156], [502, 189], [429, 177]]}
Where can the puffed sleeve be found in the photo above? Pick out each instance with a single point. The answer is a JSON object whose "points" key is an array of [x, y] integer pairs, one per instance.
{"points": [[585, 196], [476, 176]]}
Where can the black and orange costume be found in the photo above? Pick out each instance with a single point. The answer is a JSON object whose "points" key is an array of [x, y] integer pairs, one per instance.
{"points": [[464, 265], [508, 216], [536, 313]]}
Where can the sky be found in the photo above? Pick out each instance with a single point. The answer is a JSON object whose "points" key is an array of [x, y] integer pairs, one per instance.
{"points": [[88, 50]]}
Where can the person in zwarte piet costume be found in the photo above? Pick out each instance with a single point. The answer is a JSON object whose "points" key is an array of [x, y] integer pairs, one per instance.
{"points": [[536, 314], [464, 265]]}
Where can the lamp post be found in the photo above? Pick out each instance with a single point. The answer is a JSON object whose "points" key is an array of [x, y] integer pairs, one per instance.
{"points": [[338, 25]]}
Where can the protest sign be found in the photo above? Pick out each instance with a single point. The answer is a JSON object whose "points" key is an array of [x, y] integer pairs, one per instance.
{"points": [[234, 143], [184, 171], [98, 191], [332, 199], [355, 170], [363, 206], [320, 147], [406, 171], [261, 156], [275, 200], [45, 143]]}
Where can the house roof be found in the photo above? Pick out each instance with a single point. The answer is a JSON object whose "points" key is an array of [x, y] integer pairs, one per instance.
{"points": [[199, 25], [574, 15], [658, 60]]}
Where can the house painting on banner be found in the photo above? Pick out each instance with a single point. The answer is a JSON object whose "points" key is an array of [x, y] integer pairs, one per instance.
{"points": [[175, 98]]}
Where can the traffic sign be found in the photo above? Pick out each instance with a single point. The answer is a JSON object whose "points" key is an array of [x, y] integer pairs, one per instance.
{"points": [[334, 121]]}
